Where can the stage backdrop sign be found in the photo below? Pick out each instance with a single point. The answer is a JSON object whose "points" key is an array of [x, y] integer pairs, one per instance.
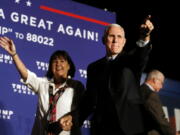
{"points": [[38, 28]]}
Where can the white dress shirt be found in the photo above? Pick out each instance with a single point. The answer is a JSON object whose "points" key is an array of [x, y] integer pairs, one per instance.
{"points": [[40, 85]]}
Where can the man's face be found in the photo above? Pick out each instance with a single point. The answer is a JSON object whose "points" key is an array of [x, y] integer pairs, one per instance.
{"points": [[115, 40], [159, 83]]}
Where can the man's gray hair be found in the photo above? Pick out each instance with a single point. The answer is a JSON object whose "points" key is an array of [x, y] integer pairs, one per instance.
{"points": [[111, 25], [154, 74]]}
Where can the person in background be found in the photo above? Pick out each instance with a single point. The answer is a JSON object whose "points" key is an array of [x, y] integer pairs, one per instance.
{"points": [[113, 84], [158, 123], [58, 94]]}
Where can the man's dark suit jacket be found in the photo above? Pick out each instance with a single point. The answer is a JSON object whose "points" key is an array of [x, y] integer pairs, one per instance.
{"points": [[158, 124], [113, 94]]}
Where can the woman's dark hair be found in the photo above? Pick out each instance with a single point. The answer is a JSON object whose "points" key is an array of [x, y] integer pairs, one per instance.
{"points": [[65, 55]]}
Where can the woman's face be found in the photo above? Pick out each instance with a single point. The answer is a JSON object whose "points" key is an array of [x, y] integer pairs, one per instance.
{"points": [[60, 68]]}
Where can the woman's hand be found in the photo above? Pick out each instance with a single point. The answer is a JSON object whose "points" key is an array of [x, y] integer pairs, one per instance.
{"points": [[8, 45], [66, 122]]}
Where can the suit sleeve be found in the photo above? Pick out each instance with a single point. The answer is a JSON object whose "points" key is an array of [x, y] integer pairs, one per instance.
{"points": [[139, 58], [88, 102]]}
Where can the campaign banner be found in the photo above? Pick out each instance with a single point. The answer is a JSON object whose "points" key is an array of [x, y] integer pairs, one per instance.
{"points": [[38, 28]]}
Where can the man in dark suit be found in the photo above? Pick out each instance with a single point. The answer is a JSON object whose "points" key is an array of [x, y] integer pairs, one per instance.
{"points": [[113, 85], [158, 123]]}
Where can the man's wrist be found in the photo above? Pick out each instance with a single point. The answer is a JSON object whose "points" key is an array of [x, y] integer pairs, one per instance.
{"points": [[142, 43]]}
